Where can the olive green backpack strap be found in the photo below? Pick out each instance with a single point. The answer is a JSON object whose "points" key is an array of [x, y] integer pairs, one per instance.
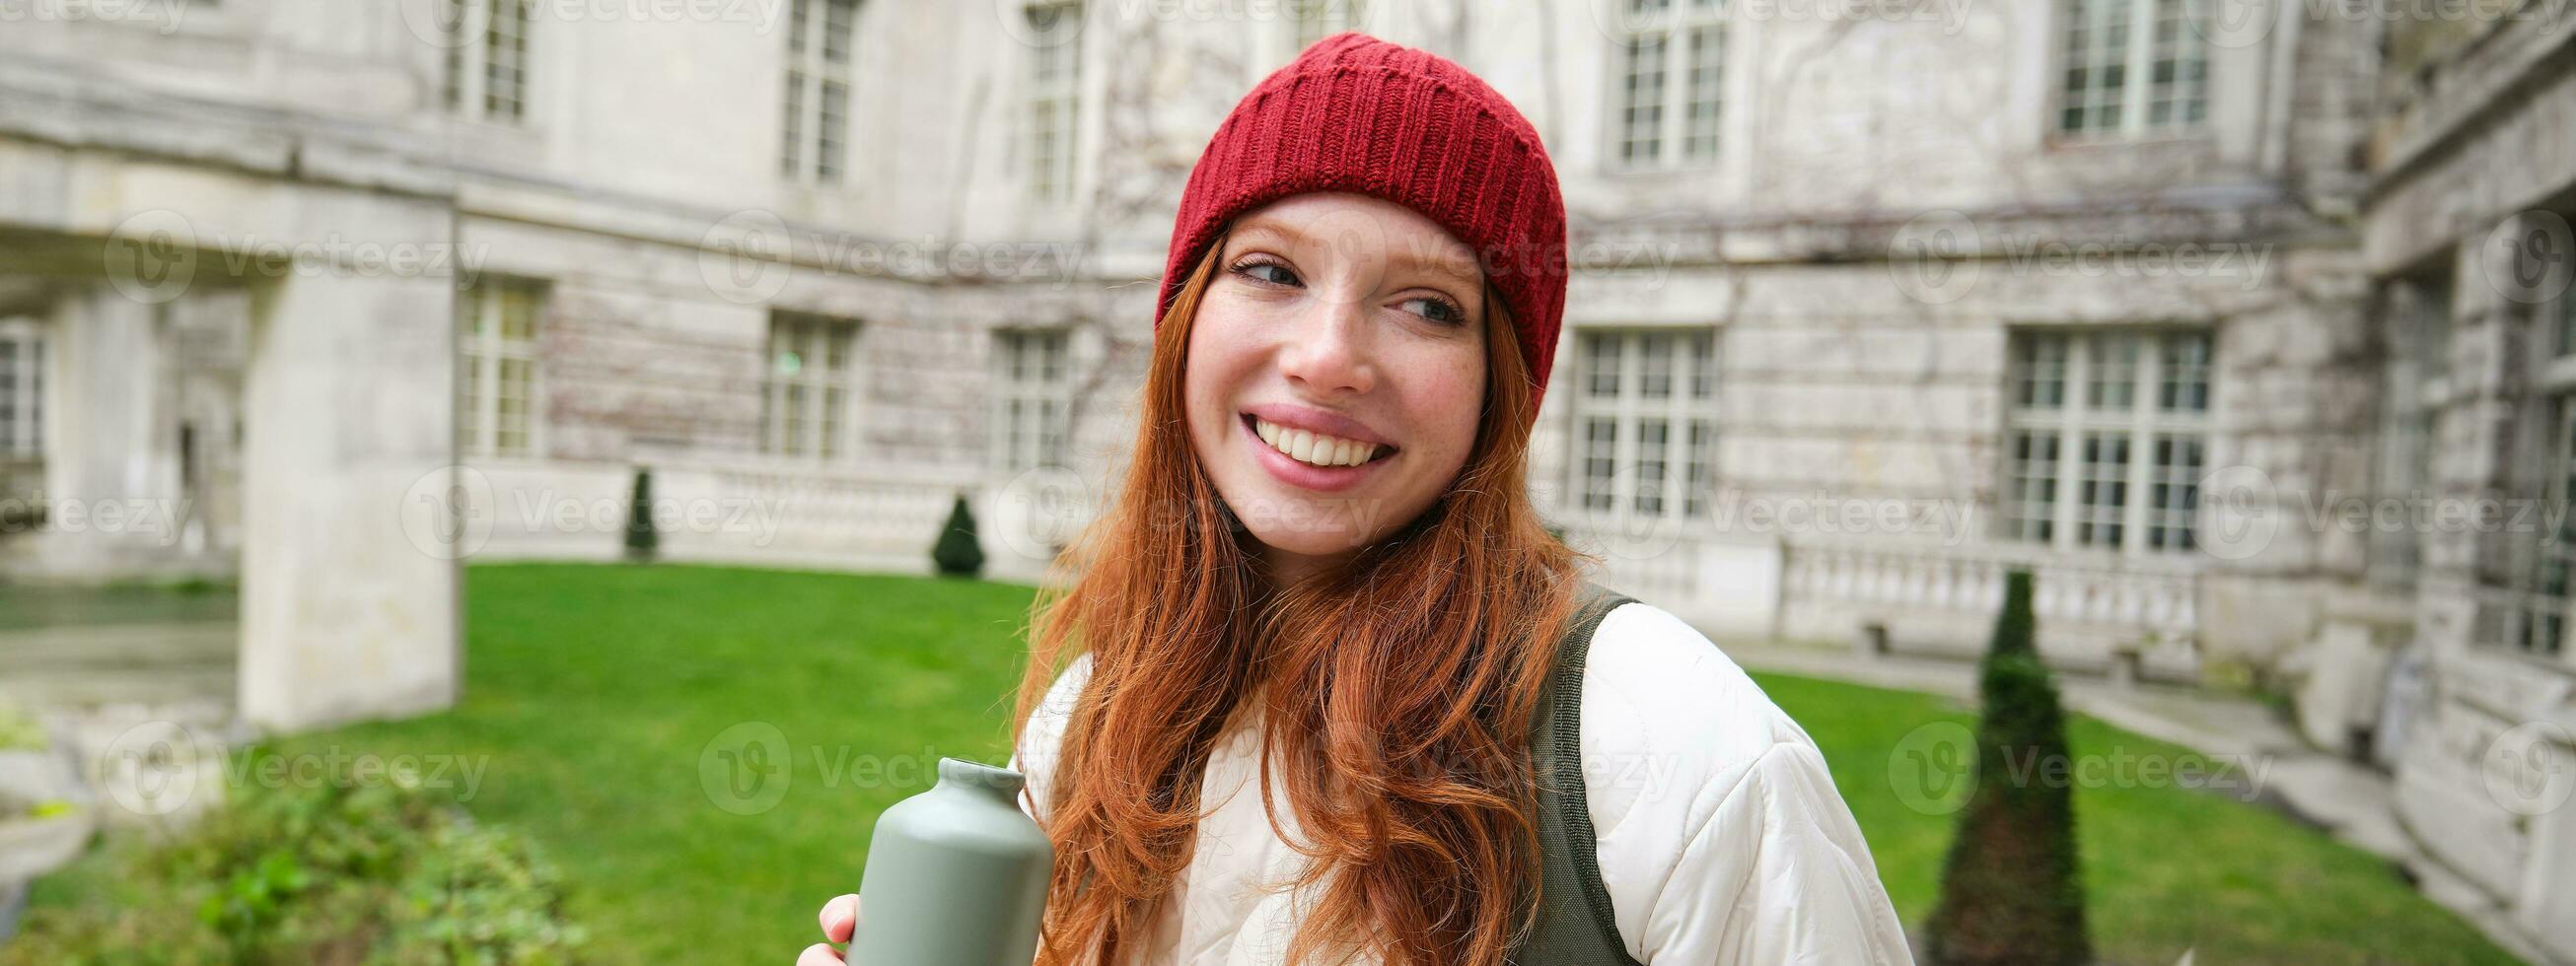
{"points": [[1575, 926]]}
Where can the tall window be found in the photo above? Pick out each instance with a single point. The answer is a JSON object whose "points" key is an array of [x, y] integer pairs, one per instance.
{"points": [[2543, 614], [1671, 84], [1055, 82], [1032, 398], [496, 383], [2106, 440], [487, 58], [1645, 424], [2567, 320], [2415, 318], [22, 389], [806, 397], [2133, 67], [814, 144], [2539, 622], [1318, 19]]}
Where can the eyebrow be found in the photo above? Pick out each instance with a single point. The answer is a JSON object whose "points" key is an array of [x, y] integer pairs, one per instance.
{"points": [[1449, 261]]}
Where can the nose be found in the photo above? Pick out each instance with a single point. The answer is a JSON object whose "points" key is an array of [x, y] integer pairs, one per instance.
{"points": [[1330, 352]]}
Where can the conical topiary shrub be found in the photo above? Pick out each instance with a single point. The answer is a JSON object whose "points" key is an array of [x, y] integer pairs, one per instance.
{"points": [[2011, 888], [642, 539], [958, 553]]}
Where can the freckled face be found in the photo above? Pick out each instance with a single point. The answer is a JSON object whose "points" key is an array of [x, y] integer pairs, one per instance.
{"points": [[1336, 371]]}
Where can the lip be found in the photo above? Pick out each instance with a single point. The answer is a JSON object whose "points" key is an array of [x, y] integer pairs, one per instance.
{"points": [[1286, 469], [1318, 421]]}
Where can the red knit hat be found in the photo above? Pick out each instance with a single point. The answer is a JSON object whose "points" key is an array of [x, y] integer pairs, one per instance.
{"points": [[1357, 114]]}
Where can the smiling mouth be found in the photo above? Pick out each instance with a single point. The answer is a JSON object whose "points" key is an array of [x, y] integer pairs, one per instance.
{"points": [[1316, 449]]}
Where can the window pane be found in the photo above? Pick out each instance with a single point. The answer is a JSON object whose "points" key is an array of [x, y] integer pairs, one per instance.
{"points": [[8, 395], [452, 84], [1707, 53], [1054, 63], [1600, 455], [2185, 385], [1642, 100], [836, 30], [791, 140], [2030, 479], [1702, 479], [1704, 365], [2174, 495], [469, 402], [1601, 363], [2040, 372], [2102, 491], [834, 397], [791, 434], [518, 313], [510, 408], [2177, 72], [829, 145], [2113, 383], [1656, 381], [505, 54], [2544, 624], [2567, 321], [1652, 438]]}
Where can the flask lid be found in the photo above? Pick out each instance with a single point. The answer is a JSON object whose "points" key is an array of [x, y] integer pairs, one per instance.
{"points": [[1001, 781]]}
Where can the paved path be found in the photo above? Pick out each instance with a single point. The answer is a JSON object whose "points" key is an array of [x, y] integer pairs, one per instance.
{"points": [[2350, 801]]}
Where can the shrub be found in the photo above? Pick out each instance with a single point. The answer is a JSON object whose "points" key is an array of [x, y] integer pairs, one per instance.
{"points": [[642, 539], [2011, 891], [337, 875], [958, 553], [20, 731]]}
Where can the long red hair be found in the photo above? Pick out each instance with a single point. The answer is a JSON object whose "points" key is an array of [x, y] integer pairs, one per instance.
{"points": [[1396, 691]]}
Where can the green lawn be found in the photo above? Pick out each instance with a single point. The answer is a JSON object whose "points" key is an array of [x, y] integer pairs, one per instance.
{"points": [[594, 693]]}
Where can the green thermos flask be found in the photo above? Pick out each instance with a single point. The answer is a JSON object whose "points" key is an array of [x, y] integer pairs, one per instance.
{"points": [[956, 876]]}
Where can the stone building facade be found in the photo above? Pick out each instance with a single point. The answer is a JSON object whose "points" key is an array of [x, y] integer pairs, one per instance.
{"points": [[2454, 669], [1873, 302]]}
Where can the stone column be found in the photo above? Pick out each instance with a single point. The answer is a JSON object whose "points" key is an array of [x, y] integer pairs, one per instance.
{"points": [[346, 612]]}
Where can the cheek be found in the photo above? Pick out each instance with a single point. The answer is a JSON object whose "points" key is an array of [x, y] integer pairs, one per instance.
{"points": [[1448, 396], [1218, 358]]}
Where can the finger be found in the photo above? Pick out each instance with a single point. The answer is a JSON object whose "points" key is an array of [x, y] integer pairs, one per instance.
{"points": [[840, 918], [818, 954]]}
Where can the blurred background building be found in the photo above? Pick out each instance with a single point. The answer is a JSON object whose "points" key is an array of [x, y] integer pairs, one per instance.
{"points": [[2244, 323]]}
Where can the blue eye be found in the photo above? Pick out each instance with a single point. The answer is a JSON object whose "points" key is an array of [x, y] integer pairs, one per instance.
{"points": [[1438, 310], [1269, 273]]}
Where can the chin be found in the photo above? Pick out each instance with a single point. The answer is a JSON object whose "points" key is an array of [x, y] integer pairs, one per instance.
{"points": [[1325, 541]]}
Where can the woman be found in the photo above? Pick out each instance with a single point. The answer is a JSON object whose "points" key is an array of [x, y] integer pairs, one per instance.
{"points": [[1315, 629]]}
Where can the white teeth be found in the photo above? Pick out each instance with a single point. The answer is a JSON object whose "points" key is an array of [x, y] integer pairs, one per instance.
{"points": [[1307, 447]]}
